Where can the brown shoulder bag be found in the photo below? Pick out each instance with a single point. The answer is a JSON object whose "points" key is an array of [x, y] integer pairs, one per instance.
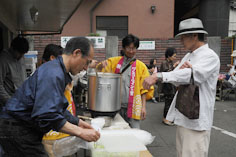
{"points": [[187, 101]]}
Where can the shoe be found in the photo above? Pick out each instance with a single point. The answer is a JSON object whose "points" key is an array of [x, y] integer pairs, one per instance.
{"points": [[166, 122], [217, 98], [154, 100]]}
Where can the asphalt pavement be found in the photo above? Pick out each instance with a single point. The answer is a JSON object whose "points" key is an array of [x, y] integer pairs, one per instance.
{"points": [[223, 133]]}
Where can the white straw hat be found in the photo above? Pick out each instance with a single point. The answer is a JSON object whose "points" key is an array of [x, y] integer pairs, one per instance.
{"points": [[233, 54], [192, 25]]}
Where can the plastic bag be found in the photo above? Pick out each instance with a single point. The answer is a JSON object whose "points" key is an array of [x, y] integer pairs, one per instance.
{"points": [[98, 123], [142, 135], [68, 146]]}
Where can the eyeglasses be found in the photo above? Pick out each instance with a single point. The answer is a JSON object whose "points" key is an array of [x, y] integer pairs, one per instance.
{"points": [[130, 48]]}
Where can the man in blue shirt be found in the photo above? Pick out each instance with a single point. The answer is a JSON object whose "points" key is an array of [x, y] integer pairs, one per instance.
{"points": [[39, 105]]}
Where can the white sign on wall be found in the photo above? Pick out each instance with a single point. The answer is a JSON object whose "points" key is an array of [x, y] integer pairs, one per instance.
{"points": [[98, 42], [64, 40], [146, 45]]}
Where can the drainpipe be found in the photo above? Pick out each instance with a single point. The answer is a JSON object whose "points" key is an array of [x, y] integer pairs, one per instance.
{"points": [[232, 49], [91, 15]]}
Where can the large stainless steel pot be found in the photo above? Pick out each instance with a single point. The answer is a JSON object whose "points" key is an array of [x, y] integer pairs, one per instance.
{"points": [[104, 91]]}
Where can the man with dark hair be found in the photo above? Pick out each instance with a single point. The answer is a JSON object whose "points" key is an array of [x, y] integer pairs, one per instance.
{"points": [[20, 44], [12, 70], [51, 51], [133, 102], [200, 66], [39, 105]]}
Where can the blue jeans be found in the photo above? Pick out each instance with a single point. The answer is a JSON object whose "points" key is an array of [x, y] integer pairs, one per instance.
{"points": [[132, 122], [1, 151]]}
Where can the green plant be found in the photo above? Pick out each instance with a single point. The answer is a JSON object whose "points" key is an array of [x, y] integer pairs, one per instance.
{"points": [[231, 37], [94, 34]]}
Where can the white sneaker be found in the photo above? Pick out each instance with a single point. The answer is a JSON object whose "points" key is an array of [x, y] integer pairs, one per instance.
{"points": [[154, 100]]}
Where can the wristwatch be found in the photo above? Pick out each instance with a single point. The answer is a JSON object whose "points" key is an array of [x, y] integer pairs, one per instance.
{"points": [[159, 77]]}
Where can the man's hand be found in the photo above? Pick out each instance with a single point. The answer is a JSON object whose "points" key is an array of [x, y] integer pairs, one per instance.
{"points": [[93, 64], [82, 130], [87, 132], [101, 65], [89, 135], [176, 64], [143, 113], [85, 125], [149, 81], [186, 65]]}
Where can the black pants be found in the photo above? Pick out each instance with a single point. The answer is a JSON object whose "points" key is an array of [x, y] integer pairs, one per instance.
{"points": [[168, 101], [19, 140], [123, 114]]}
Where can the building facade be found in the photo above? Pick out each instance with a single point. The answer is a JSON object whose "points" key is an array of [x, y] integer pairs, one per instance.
{"points": [[150, 20], [144, 18], [232, 18]]}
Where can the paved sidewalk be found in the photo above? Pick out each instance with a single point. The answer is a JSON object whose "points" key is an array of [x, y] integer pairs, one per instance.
{"points": [[223, 135]]}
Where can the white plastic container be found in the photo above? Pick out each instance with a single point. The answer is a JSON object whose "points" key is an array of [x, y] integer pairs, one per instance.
{"points": [[117, 146]]}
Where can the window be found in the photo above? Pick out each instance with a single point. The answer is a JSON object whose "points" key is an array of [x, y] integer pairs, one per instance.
{"points": [[112, 25]]}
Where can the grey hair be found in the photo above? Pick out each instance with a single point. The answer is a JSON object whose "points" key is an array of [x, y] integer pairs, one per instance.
{"points": [[81, 43]]}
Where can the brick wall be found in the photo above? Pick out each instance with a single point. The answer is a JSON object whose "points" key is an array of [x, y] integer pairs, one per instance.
{"points": [[225, 55], [144, 55], [40, 43]]}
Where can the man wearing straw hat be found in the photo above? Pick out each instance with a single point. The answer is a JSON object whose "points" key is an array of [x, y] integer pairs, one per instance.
{"points": [[202, 66]]}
